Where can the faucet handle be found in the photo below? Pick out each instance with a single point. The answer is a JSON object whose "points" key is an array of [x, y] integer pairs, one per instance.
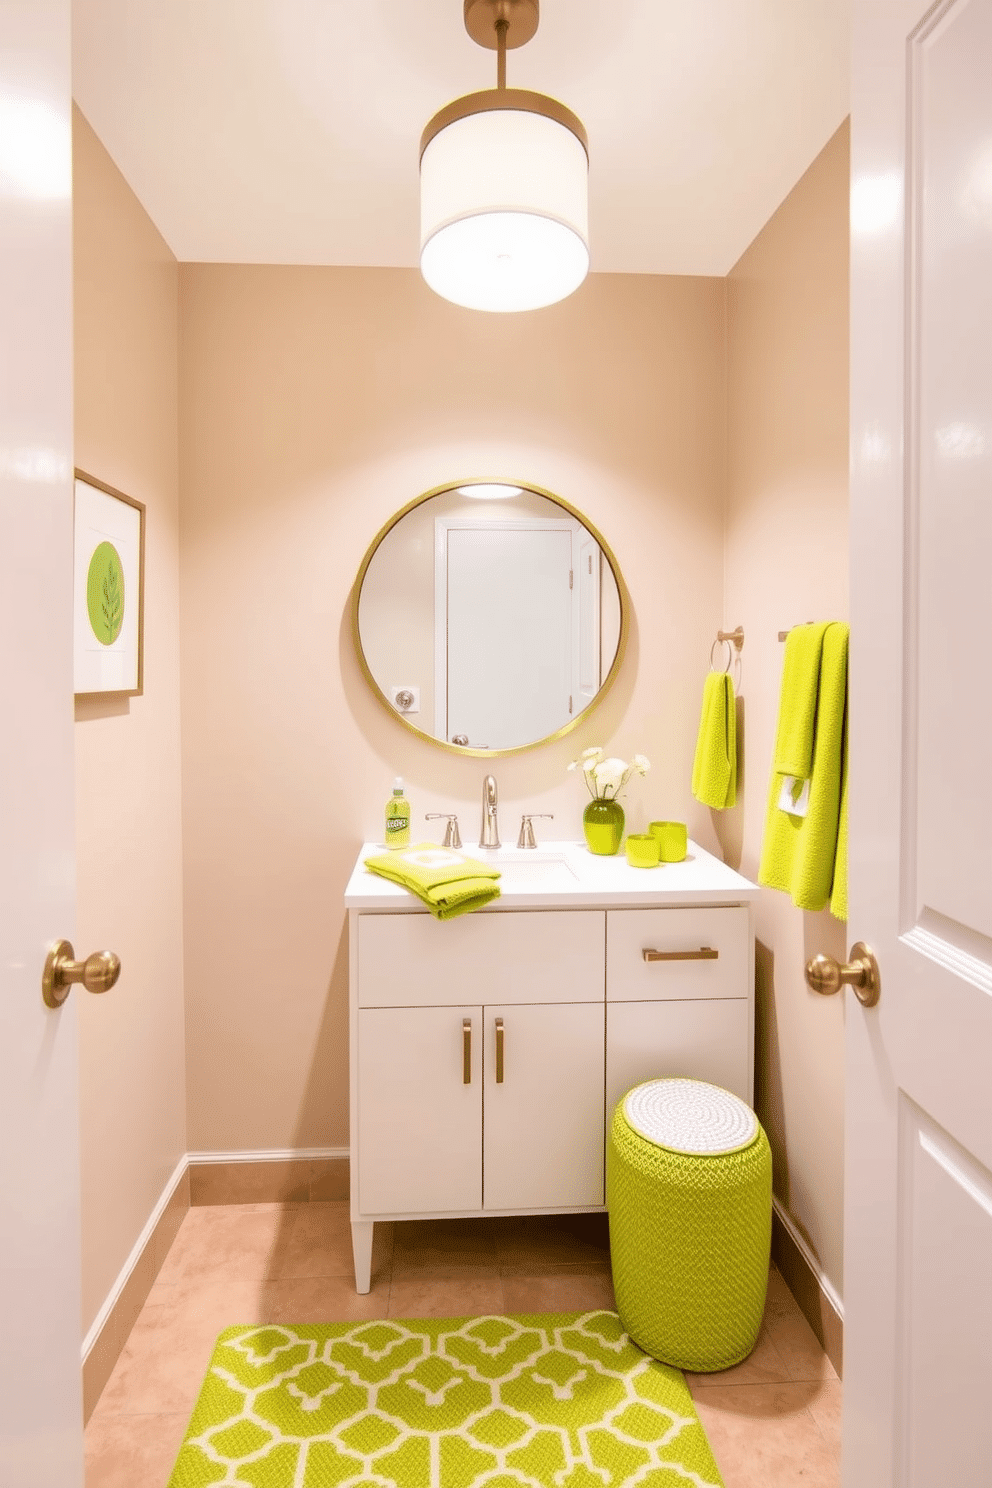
{"points": [[452, 837], [527, 838]]}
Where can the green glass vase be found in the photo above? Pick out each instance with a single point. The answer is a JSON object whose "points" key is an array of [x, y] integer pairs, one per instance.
{"points": [[602, 823]]}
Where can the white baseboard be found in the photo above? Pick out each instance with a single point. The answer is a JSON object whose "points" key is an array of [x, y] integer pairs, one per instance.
{"points": [[110, 1302], [823, 1281], [269, 1154], [188, 1160]]}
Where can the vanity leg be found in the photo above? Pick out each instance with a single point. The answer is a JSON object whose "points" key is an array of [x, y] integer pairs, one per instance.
{"points": [[361, 1244]]}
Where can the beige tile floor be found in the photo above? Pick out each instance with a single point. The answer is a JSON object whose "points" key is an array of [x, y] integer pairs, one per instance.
{"points": [[772, 1421]]}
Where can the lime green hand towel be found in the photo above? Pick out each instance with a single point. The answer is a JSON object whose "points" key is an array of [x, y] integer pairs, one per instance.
{"points": [[799, 853], [797, 708], [714, 769], [448, 882]]}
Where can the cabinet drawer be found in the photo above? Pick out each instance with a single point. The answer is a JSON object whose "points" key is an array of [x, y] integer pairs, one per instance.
{"points": [[679, 934], [412, 960]]}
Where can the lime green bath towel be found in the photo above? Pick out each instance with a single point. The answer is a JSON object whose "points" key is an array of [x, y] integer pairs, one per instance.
{"points": [[800, 685], [447, 881], [714, 770], [803, 839]]}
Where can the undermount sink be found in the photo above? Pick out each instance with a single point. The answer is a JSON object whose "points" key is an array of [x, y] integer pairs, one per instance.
{"points": [[530, 868]]}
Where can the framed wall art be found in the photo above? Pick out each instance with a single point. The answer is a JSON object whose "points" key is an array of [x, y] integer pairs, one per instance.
{"points": [[108, 589]]}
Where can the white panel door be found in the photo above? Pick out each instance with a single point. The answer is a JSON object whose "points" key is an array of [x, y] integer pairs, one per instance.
{"points": [[41, 1437], [686, 1040], [918, 1207], [509, 634], [419, 1110], [544, 1118]]}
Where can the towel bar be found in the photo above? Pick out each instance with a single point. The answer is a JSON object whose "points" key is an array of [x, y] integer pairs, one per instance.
{"points": [[784, 634]]}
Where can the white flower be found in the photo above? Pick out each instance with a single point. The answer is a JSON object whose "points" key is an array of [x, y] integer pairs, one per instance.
{"points": [[606, 778], [587, 759], [609, 776]]}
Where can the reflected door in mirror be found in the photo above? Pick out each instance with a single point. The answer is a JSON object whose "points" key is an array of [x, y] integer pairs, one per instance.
{"points": [[505, 673]]}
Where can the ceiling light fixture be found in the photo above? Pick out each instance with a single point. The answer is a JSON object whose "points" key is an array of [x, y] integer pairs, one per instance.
{"points": [[504, 184]]}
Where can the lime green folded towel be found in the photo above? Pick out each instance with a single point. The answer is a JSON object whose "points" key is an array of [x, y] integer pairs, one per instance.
{"points": [[448, 882], [806, 855], [714, 769], [797, 710]]}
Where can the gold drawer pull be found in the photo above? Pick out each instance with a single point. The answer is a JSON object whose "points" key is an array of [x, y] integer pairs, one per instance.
{"points": [[499, 1051], [705, 953], [467, 1051]]}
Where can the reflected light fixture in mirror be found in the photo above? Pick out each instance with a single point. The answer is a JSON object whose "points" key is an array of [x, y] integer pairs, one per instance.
{"points": [[504, 184], [489, 625], [489, 491]]}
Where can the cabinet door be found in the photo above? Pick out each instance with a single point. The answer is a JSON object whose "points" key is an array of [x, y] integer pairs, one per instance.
{"points": [[544, 1120], [419, 1122], [695, 1040]]}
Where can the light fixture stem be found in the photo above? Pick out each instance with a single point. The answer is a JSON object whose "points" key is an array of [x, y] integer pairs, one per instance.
{"points": [[502, 26]]}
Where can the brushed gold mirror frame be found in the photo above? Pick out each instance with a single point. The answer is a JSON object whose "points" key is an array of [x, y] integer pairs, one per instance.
{"points": [[573, 511]]}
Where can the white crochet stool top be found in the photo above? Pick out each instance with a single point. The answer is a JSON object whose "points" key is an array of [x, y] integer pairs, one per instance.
{"points": [[690, 1116]]}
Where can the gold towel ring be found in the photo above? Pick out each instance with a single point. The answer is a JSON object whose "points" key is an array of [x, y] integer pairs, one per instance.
{"points": [[734, 642], [722, 641]]}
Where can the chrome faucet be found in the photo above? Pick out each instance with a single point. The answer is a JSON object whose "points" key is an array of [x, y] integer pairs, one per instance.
{"points": [[489, 835]]}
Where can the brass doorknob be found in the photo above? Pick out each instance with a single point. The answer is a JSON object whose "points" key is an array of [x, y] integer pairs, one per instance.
{"points": [[825, 975], [98, 972]]}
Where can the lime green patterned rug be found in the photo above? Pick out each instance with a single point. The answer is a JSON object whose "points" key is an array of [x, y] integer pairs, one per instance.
{"points": [[543, 1400]]}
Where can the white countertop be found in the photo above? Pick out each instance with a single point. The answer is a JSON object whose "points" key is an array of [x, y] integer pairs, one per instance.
{"points": [[566, 875]]}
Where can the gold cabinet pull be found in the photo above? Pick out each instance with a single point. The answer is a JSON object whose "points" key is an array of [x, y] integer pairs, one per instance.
{"points": [[466, 1051], [705, 953], [499, 1051]]}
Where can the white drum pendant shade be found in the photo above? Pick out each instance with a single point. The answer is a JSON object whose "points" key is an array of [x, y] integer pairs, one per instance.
{"points": [[504, 210]]}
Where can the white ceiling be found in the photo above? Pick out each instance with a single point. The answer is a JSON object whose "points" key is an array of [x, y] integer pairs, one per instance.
{"points": [[287, 131]]}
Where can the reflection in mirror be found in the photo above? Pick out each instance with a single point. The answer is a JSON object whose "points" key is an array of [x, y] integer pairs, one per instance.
{"points": [[488, 617]]}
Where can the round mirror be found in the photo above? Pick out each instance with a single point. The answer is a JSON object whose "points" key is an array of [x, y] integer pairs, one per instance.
{"points": [[489, 616]]}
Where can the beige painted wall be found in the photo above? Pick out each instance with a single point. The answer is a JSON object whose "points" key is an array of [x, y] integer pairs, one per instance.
{"points": [[128, 837], [313, 404], [787, 561]]}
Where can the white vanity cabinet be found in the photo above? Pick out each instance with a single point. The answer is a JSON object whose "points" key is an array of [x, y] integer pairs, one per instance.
{"points": [[488, 1051]]}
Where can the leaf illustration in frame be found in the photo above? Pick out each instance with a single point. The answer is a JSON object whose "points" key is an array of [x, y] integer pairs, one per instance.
{"points": [[105, 593]]}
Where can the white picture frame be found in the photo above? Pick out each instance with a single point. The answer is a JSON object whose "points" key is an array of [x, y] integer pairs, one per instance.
{"points": [[108, 590]]}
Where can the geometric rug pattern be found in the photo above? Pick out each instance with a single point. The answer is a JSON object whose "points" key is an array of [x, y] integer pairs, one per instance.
{"points": [[543, 1400]]}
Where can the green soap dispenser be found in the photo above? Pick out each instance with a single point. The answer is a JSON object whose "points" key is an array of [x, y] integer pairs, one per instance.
{"points": [[398, 817]]}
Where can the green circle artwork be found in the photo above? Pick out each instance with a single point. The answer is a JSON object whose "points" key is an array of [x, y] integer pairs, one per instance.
{"points": [[105, 593]]}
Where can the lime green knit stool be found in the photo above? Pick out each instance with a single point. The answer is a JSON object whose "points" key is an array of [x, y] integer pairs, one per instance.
{"points": [[689, 1192]]}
